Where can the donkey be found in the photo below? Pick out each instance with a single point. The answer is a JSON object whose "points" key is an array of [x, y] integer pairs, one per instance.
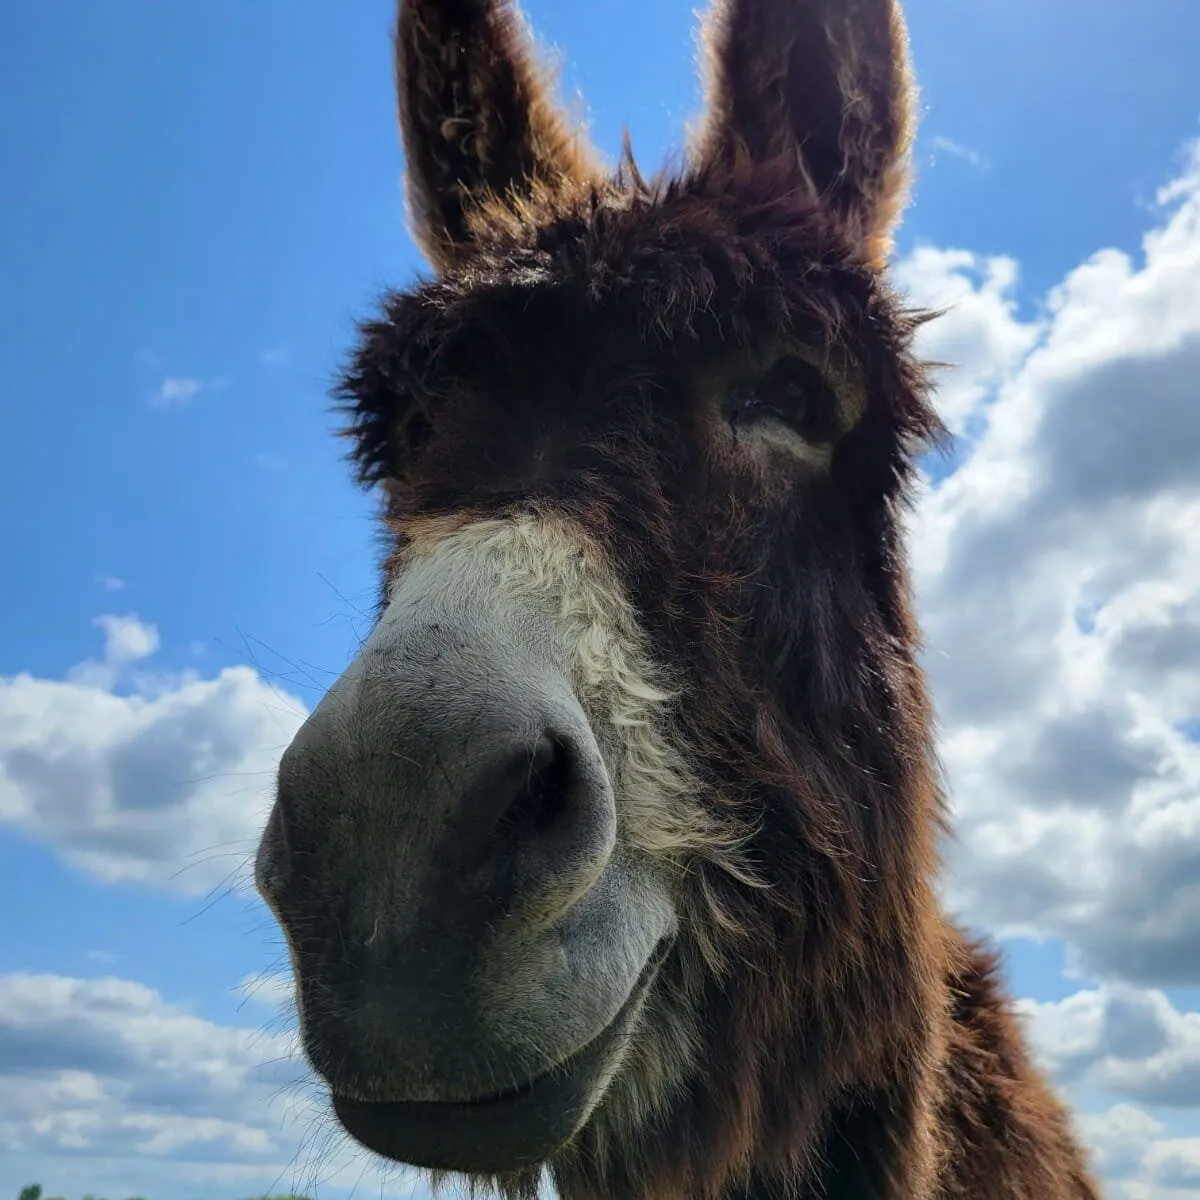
{"points": [[612, 853]]}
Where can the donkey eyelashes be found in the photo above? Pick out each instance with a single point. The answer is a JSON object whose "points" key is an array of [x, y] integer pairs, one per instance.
{"points": [[793, 392]]}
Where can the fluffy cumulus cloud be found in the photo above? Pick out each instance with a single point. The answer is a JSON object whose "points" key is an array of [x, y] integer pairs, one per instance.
{"points": [[1121, 1039], [1059, 583], [126, 640], [106, 1086], [1058, 575], [137, 776], [1139, 1158], [978, 338]]}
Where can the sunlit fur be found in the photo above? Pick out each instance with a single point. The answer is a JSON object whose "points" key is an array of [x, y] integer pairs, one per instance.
{"points": [[545, 417]]}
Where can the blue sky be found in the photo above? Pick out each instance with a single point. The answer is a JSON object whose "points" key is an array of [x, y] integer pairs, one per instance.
{"points": [[200, 198]]}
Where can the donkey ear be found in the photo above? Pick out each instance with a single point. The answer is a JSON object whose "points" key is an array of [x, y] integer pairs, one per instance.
{"points": [[477, 116], [825, 84]]}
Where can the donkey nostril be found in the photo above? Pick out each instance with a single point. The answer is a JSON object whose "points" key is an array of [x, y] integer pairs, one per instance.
{"points": [[543, 796], [537, 816]]}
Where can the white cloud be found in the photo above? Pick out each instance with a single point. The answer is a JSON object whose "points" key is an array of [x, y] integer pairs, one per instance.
{"points": [[1058, 580], [175, 391], [1123, 1040], [96, 1057], [166, 785], [978, 336], [1138, 1158], [955, 149], [1119, 1139], [172, 391], [126, 640], [1058, 572], [111, 583], [104, 1083], [276, 356], [178, 391]]}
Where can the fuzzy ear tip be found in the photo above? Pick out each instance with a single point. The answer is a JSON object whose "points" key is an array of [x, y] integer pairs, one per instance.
{"points": [[856, 58], [479, 121]]}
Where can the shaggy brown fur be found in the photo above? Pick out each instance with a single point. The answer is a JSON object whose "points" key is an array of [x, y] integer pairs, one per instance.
{"points": [[570, 357]]}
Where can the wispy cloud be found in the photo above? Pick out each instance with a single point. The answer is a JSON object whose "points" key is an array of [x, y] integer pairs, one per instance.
{"points": [[110, 583], [175, 391], [276, 356], [172, 390], [957, 150]]}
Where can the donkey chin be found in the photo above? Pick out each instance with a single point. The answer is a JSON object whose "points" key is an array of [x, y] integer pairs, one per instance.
{"points": [[473, 934]]}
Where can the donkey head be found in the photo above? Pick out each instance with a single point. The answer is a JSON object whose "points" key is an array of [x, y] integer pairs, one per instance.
{"points": [[621, 818]]}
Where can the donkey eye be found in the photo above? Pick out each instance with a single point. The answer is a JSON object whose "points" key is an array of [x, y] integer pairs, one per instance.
{"points": [[793, 392], [747, 403]]}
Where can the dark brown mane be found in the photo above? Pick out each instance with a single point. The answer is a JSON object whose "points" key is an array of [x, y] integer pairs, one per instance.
{"points": [[556, 401]]}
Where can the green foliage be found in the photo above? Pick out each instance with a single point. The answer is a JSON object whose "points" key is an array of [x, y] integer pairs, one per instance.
{"points": [[32, 1192]]}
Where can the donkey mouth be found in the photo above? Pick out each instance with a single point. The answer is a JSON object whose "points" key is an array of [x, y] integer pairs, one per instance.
{"points": [[508, 1131]]}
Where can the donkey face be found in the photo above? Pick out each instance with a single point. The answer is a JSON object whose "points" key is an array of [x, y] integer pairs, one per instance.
{"points": [[642, 640]]}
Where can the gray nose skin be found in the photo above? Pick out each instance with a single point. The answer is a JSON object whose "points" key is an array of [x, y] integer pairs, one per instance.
{"points": [[440, 854], [491, 787]]}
